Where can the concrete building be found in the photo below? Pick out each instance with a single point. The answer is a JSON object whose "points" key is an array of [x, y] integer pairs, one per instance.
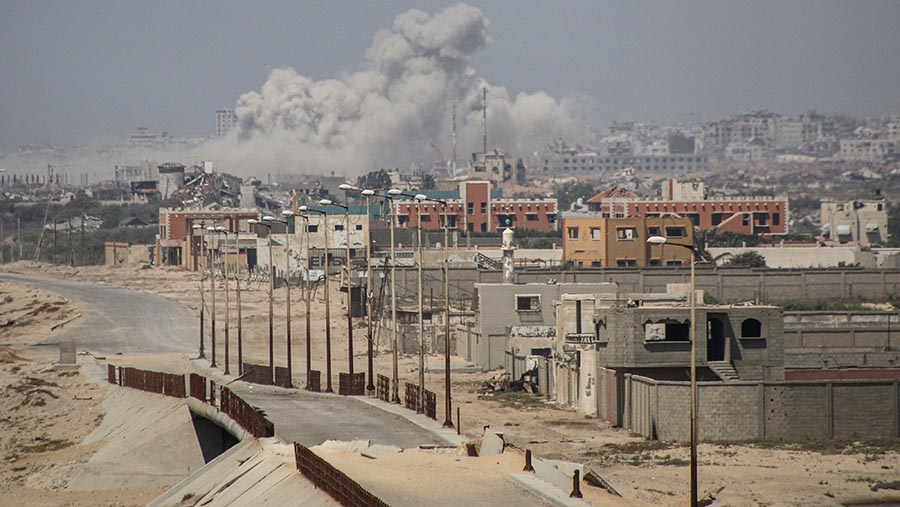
{"points": [[226, 121], [515, 317], [478, 208], [872, 150], [497, 168], [178, 244], [171, 178], [751, 215], [862, 222], [591, 240]]}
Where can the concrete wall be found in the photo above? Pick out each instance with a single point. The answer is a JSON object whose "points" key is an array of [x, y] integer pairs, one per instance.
{"points": [[839, 339], [741, 411], [801, 257], [723, 283]]}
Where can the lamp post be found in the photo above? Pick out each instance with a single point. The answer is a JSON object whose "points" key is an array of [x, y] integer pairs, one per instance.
{"points": [[287, 281], [199, 227], [326, 202], [237, 284], [303, 210], [271, 297], [395, 387], [328, 388], [370, 386], [221, 230], [660, 240], [212, 316], [420, 408]]}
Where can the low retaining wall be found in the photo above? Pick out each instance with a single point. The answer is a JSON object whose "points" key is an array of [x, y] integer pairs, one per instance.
{"points": [[166, 384], [740, 411]]}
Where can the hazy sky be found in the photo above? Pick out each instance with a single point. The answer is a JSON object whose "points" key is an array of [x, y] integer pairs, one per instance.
{"points": [[91, 71]]}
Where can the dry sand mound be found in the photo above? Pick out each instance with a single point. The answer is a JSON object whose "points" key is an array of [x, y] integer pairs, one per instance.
{"points": [[8, 355]]}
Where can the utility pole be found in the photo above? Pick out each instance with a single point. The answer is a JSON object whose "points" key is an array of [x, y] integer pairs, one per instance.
{"points": [[199, 227], [223, 245], [448, 418], [420, 408], [19, 237], [237, 283], [212, 317]]}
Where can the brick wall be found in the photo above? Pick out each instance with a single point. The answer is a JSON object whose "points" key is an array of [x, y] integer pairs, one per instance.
{"points": [[740, 411]]}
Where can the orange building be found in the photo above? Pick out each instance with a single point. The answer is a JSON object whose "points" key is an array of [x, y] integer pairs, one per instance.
{"points": [[591, 240]]}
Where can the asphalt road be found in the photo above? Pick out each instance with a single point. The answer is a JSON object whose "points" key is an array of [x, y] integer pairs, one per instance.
{"points": [[128, 321]]}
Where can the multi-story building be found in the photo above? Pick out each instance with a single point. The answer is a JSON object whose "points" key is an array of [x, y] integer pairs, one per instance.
{"points": [[179, 244], [862, 222], [226, 120], [478, 208], [497, 168], [591, 240], [874, 150], [749, 215]]}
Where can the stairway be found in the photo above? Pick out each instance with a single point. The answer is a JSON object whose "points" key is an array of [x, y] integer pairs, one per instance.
{"points": [[483, 262], [724, 370]]}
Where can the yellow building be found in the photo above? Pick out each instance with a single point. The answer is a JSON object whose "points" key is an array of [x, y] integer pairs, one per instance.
{"points": [[589, 240]]}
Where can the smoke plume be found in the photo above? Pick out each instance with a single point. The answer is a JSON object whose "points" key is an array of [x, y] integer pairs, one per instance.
{"points": [[389, 113]]}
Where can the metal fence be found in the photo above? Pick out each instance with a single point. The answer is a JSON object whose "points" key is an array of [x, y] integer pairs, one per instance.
{"points": [[197, 385], [314, 382], [245, 414], [352, 385], [383, 388], [329, 479], [151, 381], [430, 404], [411, 397], [111, 374]]}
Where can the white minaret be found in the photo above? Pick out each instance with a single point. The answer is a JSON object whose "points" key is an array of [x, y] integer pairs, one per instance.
{"points": [[508, 256]]}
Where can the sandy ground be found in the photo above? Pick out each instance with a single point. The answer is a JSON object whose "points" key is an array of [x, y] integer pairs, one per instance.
{"points": [[646, 473]]}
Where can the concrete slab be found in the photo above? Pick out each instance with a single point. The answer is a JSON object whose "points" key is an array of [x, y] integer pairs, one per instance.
{"points": [[547, 491], [379, 451], [491, 445], [547, 471]]}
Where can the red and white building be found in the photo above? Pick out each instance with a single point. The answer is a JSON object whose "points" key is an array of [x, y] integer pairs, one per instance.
{"points": [[477, 208]]}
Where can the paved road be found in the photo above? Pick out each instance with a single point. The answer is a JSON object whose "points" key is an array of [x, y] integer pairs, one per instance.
{"points": [[128, 321]]}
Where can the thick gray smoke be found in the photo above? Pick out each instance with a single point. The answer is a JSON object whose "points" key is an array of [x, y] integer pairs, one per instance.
{"points": [[390, 113]]}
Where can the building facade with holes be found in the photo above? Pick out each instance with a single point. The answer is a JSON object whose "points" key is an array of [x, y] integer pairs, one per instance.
{"points": [[592, 240], [179, 244], [476, 207], [650, 335]]}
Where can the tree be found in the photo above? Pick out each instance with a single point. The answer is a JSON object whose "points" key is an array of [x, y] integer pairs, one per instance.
{"points": [[751, 259], [375, 180], [569, 192]]}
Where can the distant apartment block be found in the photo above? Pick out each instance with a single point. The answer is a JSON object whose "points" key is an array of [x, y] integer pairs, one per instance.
{"points": [[749, 215], [592, 240], [875, 150], [226, 120], [862, 222], [591, 162], [477, 208]]}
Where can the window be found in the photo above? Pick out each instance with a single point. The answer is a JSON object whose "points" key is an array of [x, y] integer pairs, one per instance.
{"points": [[425, 218], [596, 263], [626, 233], [716, 218], [358, 227], [763, 219], [484, 207], [626, 263], [338, 227], [528, 303], [403, 219], [313, 228], [879, 207], [470, 208], [653, 231], [654, 262], [839, 207], [531, 217], [745, 220], [675, 232], [674, 262], [776, 218], [596, 234], [694, 217], [671, 331], [483, 227], [751, 328], [572, 233]]}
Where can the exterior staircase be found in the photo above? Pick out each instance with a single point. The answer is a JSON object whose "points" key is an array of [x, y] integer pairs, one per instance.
{"points": [[483, 262], [724, 370]]}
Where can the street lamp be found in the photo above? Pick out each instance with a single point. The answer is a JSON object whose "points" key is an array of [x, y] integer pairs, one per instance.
{"points": [[395, 388], [328, 388], [326, 202], [254, 221], [370, 387], [212, 317], [308, 287], [199, 227], [660, 240], [420, 408], [221, 230], [287, 281]]}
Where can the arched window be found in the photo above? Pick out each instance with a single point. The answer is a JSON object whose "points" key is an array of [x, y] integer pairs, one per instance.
{"points": [[751, 328]]}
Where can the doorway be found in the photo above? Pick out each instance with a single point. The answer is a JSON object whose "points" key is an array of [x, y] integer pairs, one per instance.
{"points": [[715, 339]]}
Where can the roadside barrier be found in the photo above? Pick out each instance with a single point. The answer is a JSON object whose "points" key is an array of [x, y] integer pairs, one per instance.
{"points": [[411, 397], [197, 385], [151, 381], [314, 382], [111, 374], [430, 404], [329, 479], [383, 388], [354, 385], [245, 415]]}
